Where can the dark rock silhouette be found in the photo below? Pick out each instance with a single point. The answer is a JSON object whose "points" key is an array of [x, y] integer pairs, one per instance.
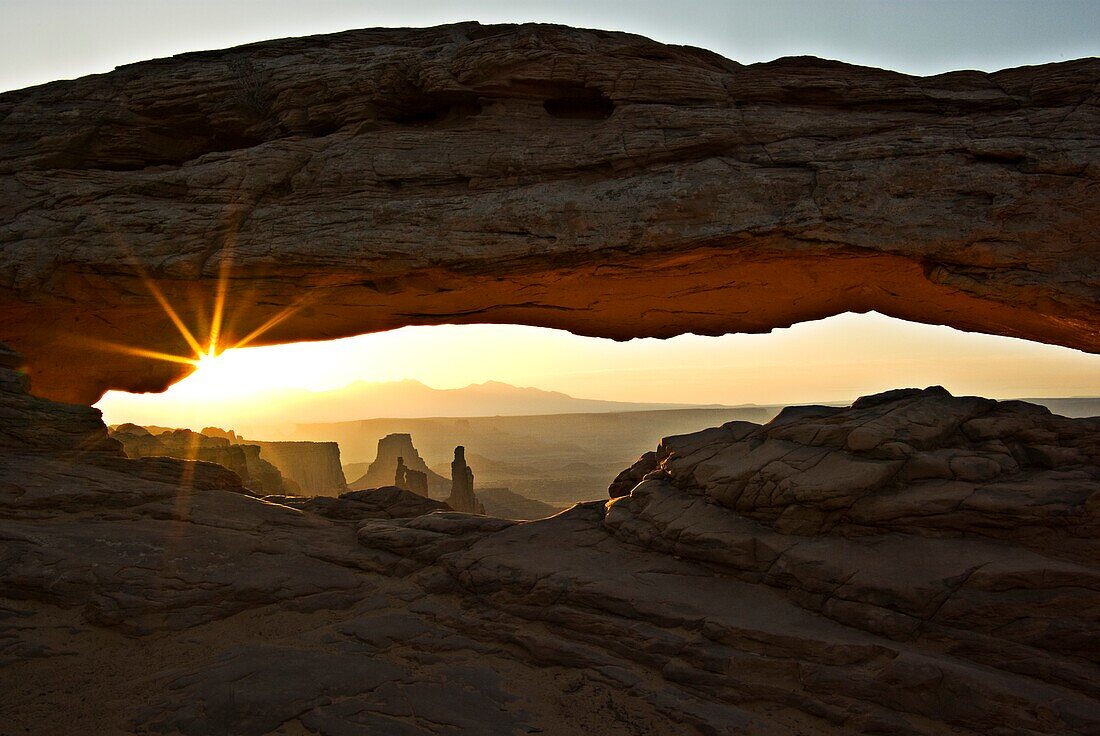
{"points": [[870, 559], [314, 466], [255, 473], [400, 478], [396, 447], [228, 434], [410, 480], [914, 563], [29, 423], [462, 496], [417, 481]]}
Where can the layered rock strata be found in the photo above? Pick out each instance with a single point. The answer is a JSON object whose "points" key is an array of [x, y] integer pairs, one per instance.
{"points": [[255, 473], [586, 180], [937, 575], [916, 563], [313, 466]]}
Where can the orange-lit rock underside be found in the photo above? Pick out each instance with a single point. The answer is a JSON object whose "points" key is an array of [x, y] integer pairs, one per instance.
{"points": [[590, 181]]}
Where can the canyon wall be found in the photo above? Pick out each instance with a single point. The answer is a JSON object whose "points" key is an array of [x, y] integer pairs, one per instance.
{"points": [[313, 466], [592, 181], [256, 474]]}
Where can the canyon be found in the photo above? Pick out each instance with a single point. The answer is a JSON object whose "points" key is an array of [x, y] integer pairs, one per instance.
{"points": [[914, 563]]}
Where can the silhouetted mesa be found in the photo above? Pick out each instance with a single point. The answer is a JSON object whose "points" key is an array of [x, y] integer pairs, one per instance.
{"points": [[314, 466], [462, 496], [255, 472], [309, 468], [397, 447]]}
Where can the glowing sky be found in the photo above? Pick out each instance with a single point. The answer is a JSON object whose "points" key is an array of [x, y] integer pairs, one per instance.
{"points": [[836, 359]]}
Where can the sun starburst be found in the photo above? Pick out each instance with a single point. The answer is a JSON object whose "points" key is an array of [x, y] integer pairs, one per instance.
{"points": [[202, 352]]}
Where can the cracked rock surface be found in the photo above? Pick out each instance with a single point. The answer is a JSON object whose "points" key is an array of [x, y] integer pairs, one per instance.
{"points": [[586, 180], [915, 564]]}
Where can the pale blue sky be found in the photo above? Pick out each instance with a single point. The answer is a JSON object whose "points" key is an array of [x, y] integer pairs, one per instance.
{"points": [[42, 40]]}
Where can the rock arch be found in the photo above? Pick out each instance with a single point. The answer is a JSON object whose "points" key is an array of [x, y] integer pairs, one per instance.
{"points": [[597, 182]]}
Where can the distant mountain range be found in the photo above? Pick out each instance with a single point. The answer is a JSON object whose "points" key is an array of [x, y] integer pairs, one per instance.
{"points": [[412, 399], [275, 415]]}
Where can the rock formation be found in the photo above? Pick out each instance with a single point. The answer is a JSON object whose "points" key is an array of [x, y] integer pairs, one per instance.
{"points": [[408, 479], [313, 466], [388, 502], [30, 424], [255, 473], [462, 496], [915, 563], [394, 448], [936, 574], [505, 504], [400, 475], [417, 482], [228, 434], [591, 181]]}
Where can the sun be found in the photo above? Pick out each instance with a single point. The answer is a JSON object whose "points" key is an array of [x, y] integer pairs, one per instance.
{"points": [[202, 354]]}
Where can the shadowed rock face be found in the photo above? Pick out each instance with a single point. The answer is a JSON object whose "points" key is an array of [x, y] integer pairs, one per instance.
{"points": [[313, 466], [256, 474], [593, 181], [915, 564], [908, 460]]}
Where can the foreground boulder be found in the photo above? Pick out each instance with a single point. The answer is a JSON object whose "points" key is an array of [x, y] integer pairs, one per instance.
{"points": [[918, 462], [387, 502], [914, 563]]}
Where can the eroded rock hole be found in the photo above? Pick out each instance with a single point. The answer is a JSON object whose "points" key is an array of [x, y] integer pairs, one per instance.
{"points": [[437, 108], [580, 103]]}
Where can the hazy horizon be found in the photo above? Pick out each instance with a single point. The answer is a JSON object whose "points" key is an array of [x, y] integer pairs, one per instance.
{"points": [[835, 360]]}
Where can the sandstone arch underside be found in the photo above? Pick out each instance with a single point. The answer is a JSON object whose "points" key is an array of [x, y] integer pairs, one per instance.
{"points": [[592, 181]]}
